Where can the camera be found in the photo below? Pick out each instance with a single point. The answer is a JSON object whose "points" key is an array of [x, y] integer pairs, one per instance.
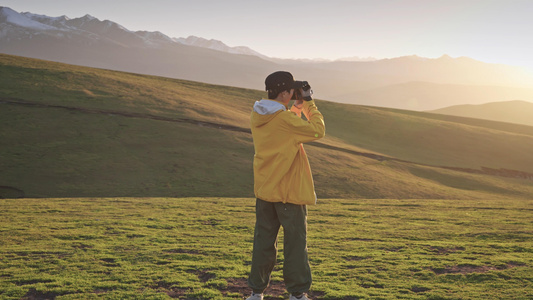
{"points": [[304, 85]]}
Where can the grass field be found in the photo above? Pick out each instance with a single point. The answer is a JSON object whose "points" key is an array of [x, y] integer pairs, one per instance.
{"points": [[200, 248], [69, 131], [139, 187]]}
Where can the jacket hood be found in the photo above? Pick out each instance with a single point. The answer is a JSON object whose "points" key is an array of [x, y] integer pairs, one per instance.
{"points": [[264, 110], [268, 107]]}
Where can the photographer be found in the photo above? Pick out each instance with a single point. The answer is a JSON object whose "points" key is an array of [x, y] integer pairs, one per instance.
{"points": [[283, 183]]}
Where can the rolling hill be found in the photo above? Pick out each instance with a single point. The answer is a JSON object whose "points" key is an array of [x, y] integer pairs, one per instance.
{"points": [[519, 112], [71, 131], [426, 96]]}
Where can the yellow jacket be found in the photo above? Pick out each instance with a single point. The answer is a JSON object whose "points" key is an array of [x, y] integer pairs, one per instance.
{"points": [[281, 168]]}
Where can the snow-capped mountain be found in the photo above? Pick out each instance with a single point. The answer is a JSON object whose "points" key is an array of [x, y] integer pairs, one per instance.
{"points": [[9, 16], [27, 25], [88, 41], [14, 25]]}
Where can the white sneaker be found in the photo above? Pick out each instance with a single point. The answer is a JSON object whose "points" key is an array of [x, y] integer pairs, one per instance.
{"points": [[304, 297], [255, 297]]}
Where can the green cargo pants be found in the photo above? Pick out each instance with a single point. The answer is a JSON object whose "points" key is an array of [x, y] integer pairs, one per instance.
{"points": [[296, 270]]}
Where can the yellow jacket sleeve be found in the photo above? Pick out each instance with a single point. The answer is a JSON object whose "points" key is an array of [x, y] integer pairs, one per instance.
{"points": [[310, 130]]}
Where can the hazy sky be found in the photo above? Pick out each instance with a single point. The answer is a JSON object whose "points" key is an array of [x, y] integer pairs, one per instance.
{"points": [[496, 31]]}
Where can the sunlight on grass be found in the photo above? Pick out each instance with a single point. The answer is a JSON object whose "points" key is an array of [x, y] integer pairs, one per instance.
{"points": [[200, 248], [71, 131]]}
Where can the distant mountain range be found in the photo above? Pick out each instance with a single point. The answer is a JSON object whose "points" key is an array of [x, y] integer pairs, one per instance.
{"points": [[518, 112], [409, 82], [217, 45]]}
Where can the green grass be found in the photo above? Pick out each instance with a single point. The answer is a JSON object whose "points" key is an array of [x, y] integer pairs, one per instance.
{"points": [[432, 139], [200, 248], [100, 154], [132, 137], [114, 145], [127, 167]]}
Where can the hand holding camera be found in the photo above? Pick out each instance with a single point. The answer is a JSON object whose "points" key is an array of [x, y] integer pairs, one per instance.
{"points": [[302, 91]]}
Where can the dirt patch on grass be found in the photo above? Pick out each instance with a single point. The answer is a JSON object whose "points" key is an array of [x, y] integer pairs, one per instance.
{"points": [[240, 286], [444, 251], [34, 294], [172, 292], [177, 293], [419, 289], [276, 289], [183, 251], [469, 269], [354, 258]]}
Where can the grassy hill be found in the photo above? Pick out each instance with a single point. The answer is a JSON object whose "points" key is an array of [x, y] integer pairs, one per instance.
{"points": [[69, 131], [518, 112], [424, 96]]}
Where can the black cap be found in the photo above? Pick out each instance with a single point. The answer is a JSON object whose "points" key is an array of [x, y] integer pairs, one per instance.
{"points": [[279, 81]]}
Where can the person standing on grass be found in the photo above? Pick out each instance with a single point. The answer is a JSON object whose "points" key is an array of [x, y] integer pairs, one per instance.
{"points": [[283, 183]]}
